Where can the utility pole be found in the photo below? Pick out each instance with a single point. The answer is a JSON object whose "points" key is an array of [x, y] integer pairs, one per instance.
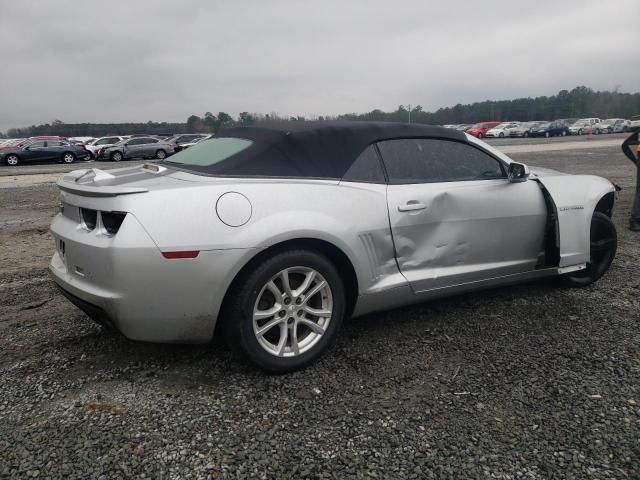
{"points": [[408, 107]]}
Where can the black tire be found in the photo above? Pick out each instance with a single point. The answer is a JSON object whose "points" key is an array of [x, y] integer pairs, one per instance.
{"points": [[237, 314], [580, 132], [526, 134], [501, 135], [12, 160], [547, 134], [68, 157], [116, 157], [480, 135], [161, 154], [604, 243]]}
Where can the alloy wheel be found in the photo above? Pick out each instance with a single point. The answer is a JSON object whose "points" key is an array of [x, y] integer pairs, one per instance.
{"points": [[68, 158], [12, 160], [292, 311]]}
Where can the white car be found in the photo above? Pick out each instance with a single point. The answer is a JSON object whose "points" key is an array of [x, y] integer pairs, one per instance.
{"points": [[102, 142], [634, 123], [587, 125], [499, 130]]}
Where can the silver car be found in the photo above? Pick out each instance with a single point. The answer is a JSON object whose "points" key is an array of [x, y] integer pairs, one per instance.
{"points": [[275, 235], [137, 147]]}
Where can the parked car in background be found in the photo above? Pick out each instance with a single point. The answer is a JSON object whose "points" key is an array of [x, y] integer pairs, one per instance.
{"points": [[36, 149], [479, 130], [549, 129], [102, 142], [615, 125], [137, 147], [585, 126], [191, 144], [186, 139], [522, 129], [634, 122], [498, 130], [80, 140], [177, 250], [464, 127], [450, 126]]}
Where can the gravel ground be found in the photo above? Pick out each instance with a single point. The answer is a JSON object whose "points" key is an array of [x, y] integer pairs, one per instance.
{"points": [[525, 382]]}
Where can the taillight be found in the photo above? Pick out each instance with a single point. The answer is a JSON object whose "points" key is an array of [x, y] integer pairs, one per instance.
{"points": [[112, 221], [89, 218]]}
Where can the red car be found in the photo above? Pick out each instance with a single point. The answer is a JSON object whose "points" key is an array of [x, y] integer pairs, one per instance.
{"points": [[480, 130]]}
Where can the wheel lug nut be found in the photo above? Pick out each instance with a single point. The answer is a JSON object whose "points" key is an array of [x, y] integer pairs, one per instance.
{"points": [[298, 301], [282, 313], [300, 313], [287, 301]]}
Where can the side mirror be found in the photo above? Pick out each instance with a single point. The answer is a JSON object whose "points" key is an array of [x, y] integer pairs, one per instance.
{"points": [[517, 172]]}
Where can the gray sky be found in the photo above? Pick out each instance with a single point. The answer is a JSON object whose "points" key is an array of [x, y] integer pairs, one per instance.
{"points": [[137, 60]]}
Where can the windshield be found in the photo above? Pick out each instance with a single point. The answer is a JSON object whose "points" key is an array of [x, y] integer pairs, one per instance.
{"points": [[209, 152]]}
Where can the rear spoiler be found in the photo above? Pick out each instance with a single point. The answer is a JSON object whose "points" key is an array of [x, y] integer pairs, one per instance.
{"points": [[93, 182]]}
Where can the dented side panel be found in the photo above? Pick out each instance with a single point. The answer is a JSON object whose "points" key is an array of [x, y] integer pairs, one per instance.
{"points": [[468, 231]]}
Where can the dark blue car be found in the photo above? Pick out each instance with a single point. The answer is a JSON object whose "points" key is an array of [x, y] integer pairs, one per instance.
{"points": [[550, 129], [35, 150]]}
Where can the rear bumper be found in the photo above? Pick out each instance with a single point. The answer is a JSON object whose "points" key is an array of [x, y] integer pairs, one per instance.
{"points": [[124, 281]]}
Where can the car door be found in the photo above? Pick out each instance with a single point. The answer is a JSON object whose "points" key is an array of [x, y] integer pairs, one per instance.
{"points": [[131, 149], [455, 217], [54, 149], [148, 147], [34, 152]]}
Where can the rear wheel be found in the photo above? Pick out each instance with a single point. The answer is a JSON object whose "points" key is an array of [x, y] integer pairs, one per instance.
{"points": [[116, 156], [564, 133], [526, 134], [12, 160], [68, 157], [547, 134], [480, 135], [286, 313], [604, 243]]}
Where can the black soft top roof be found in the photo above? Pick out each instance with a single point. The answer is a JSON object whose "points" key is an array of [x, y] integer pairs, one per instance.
{"points": [[313, 149]]}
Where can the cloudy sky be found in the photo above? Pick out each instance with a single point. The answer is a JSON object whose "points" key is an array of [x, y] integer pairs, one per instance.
{"points": [[136, 60]]}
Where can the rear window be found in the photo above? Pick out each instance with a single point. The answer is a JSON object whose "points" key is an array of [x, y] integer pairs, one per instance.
{"points": [[209, 152]]}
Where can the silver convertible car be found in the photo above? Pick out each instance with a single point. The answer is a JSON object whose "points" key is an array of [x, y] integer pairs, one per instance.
{"points": [[272, 236]]}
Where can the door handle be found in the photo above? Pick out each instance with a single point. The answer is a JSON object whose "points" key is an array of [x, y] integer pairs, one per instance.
{"points": [[411, 206]]}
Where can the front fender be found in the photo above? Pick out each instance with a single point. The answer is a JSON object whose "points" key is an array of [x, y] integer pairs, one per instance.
{"points": [[575, 198]]}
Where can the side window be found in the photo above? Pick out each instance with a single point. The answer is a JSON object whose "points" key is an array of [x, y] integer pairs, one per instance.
{"points": [[366, 168], [135, 141], [37, 145], [150, 140], [420, 160]]}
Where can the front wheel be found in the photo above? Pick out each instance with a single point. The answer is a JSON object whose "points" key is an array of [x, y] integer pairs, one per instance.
{"points": [[116, 156], [286, 312], [604, 243], [501, 135], [480, 135], [526, 134], [564, 133], [12, 160], [547, 134], [161, 154]]}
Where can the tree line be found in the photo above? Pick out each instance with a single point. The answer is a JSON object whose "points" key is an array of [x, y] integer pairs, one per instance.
{"points": [[576, 103]]}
